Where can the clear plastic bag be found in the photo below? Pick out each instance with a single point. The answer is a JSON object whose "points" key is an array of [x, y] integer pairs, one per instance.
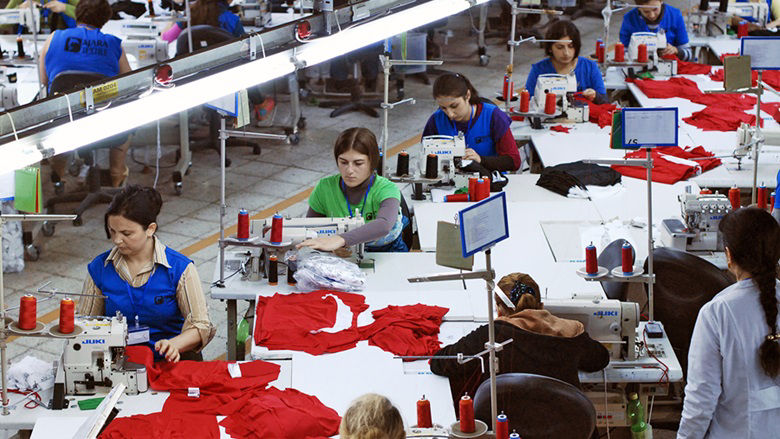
{"points": [[12, 246], [323, 271]]}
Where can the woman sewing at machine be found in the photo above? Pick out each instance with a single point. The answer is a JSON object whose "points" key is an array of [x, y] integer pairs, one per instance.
{"points": [[151, 284], [656, 16], [212, 12], [61, 14], [489, 142], [733, 383], [356, 188], [543, 344], [563, 57], [86, 48]]}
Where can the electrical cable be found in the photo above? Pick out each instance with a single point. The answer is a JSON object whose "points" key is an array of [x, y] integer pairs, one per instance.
{"points": [[157, 160], [13, 127], [665, 369]]}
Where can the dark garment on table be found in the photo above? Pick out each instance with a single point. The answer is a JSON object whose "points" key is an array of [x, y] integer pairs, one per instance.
{"points": [[539, 352], [128, 7], [561, 178]]}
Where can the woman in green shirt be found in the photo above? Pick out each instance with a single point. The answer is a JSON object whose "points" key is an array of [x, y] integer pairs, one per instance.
{"points": [[62, 13], [356, 189]]}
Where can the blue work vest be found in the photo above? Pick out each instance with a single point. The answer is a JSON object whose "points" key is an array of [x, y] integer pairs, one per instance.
{"points": [[155, 302], [84, 49], [478, 135]]}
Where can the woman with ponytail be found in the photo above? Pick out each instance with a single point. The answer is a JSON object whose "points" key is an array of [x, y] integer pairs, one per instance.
{"points": [[733, 387], [156, 288], [372, 416]]}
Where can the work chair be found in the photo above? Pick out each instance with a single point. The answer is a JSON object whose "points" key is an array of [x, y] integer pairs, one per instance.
{"points": [[538, 406], [610, 258], [203, 36], [683, 284], [98, 181]]}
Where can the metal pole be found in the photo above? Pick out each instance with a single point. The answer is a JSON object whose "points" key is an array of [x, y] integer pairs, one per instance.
{"points": [[189, 25], [757, 145], [222, 207], [492, 341], [650, 281], [35, 42], [385, 59], [3, 334]]}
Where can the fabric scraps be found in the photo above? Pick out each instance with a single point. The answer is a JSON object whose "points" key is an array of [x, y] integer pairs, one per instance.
{"points": [[560, 129], [671, 164]]}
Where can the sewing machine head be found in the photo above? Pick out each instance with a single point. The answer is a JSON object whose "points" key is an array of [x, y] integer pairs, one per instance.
{"points": [[702, 215], [297, 230], [95, 358], [554, 83], [146, 51], [758, 11], [652, 40], [611, 322], [21, 16], [447, 149]]}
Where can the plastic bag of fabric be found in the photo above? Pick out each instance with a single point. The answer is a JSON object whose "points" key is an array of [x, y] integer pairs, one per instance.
{"points": [[324, 271], [12, 246]]}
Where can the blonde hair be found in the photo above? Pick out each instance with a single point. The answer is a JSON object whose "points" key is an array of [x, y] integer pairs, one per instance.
{"points": [[525, 301], [372, 416]]}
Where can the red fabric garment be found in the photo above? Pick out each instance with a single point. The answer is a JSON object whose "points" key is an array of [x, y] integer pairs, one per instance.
{"points": [[282, 414], [772, 109], [714, 118], [163, 426], [665, 168], [560, 129], [600, 114], [406, 330], [689, 68], [295, 321], [208, 376], [769, 77]]}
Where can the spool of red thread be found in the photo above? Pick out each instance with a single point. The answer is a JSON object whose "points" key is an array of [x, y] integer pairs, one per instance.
{"points": [[734, 197], [705, 191], [456, 198], [627, 258], [509, 88], [620, 52], [601, 52], [742, 29], [483, 189], [761, 196], [277, 226], [424, 413], [466, 414], [502, 427], [473, 188], [243, 225], [525, 101], [591, 260], [641, 55], [549, 103], [28, 312], [67, 315]]}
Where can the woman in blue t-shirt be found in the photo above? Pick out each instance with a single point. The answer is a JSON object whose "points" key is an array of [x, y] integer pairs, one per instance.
{"points": [[211, 12], [656, 16], [563, 51], [86, 48]]}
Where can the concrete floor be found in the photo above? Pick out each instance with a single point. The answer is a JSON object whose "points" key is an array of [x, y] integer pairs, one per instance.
{"points": [[257, 182]]}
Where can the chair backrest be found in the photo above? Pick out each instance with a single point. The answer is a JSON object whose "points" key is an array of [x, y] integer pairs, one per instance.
{"points": [[538, 406], [610, 258], [683, 284], [67, 80], [203, 35]]}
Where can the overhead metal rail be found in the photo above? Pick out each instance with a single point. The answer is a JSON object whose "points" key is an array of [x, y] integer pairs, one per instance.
{"points": [[33, 121]]}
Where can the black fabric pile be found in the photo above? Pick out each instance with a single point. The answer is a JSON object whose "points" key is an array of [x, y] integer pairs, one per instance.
{"points": [[561, 178]]}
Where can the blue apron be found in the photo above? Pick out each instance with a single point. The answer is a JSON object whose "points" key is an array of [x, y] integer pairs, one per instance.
{"points": [[478, 136]]}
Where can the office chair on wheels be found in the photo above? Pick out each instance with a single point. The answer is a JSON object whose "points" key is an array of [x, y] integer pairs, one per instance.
{"points": [[98, 181], [683, 284], [538, 406]]}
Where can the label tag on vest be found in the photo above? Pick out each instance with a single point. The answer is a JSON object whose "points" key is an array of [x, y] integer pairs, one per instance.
{"points": [[137, 334]]}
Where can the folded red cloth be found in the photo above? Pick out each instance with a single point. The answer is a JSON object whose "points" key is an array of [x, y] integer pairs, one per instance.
{"points": [[411, 330], [689, 68], [560, 128], [163, 426], [600, 114], [671, 164], [772, 109], [714, 118]]}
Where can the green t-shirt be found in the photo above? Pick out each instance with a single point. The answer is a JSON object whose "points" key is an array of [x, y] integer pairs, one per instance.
{"points": [[328, 199]]}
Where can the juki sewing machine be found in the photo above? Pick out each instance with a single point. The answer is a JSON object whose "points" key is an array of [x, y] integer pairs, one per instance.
{"points": [[654, 42], [611, 322], [701, 215], [448, 150], [146, 51], [702, 21], [96, 358], [564, 87], [21, 16]]}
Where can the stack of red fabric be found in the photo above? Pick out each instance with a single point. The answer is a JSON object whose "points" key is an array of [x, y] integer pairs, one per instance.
{"points": [[689, 68], [600, 114], [163, 425], [411, 330], [671, 164]]}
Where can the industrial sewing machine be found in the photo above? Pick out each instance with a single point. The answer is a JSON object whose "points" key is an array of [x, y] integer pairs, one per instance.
{"points": [[611, 322], [255, 12], [95, 357], [8, 94], [654, 42], [448, 150], [701, 22], [146, 51], [564, 87], [22, 16], [701, 215]]}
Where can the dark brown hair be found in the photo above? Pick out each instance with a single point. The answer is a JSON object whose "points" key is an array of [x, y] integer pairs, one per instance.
{"points": [[95, 13], [524, 301], [206, 12], [644, 2], [753, 239], [455, 85], [560, 29], [136, 203], [361, 140]]}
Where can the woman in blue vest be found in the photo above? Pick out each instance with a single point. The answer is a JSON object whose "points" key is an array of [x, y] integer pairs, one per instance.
{"points": [[86, 48], [489, 141], [212, 12], [563, 57], [656, 16], [155, 287]]}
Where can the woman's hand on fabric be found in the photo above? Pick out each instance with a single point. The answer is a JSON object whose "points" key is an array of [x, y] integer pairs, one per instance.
{"points": [[169, 350], [328, 244], [669, 50], [589, 94], [55, 6], [472, 155]]}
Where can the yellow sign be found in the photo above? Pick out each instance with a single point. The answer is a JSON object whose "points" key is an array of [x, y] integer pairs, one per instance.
{"points": [[102, 92]]}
